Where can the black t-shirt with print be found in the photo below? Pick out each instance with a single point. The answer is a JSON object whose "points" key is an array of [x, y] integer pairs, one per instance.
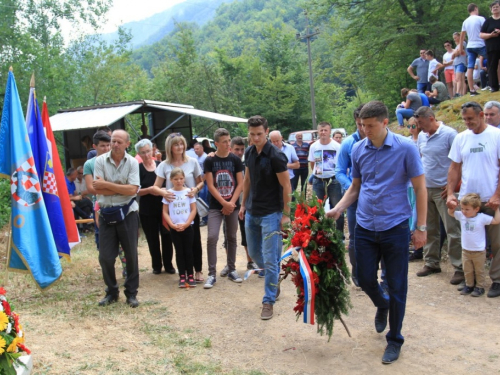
{"points": [[223, 172]]}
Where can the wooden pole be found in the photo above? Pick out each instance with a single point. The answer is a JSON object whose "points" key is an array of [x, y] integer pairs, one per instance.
{"points": [[9, 247]]}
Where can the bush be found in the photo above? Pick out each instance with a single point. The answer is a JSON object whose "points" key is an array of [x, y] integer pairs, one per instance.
{"points": [[4, 201]]}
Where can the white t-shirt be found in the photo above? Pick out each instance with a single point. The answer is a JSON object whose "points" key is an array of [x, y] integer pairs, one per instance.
{"points": [[180, 208], [480, 154], [324, 158], [432, 66], [473, 231], [446, 58], [191, 170], [472, 25]]}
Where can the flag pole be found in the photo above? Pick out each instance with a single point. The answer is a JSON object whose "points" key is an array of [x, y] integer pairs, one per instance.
{"points": [[9, 248]]}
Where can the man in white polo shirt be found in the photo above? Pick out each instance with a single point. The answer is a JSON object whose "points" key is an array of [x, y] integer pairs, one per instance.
{"points": [[293, 160]]}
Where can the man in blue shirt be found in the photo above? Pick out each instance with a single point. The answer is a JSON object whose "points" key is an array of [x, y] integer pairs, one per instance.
{"points": [[343, 171], [382, 165]]}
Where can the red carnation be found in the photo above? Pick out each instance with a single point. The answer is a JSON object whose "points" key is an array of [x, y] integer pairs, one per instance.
{"points": [[314, 258], [3, 291]]}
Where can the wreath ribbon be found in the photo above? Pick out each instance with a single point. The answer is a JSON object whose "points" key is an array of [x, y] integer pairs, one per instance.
{"points": [[309, 287]]}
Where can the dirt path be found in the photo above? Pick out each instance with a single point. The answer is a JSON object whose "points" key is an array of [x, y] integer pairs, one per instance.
{"points": [[445, 333]]}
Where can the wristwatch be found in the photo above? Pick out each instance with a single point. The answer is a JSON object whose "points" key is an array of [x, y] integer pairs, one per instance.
{"points": [[421, 228]]}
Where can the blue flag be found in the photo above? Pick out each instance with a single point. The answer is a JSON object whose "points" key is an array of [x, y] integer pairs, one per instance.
{"points": [[45, 168], [32, 246]]}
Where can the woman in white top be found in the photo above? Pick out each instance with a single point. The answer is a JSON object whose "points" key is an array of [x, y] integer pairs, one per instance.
{"points": [[175, 156]]}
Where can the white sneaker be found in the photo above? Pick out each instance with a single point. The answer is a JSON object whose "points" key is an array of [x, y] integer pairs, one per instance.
{"points": [[233, 276], [210, 282], [486, 88]]}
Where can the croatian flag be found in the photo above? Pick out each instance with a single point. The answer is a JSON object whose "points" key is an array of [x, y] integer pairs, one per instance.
{"points": [[62, 190], [32, 247], [44, 164]]}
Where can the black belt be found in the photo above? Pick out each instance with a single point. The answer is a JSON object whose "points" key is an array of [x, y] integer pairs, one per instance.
{"points": [[325, 179]]}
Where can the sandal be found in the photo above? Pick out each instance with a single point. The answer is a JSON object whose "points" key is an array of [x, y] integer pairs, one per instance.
{"points": [[199, 277]]}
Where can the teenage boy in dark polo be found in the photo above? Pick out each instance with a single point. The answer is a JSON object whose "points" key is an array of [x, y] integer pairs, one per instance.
{"points": [[267, 183]]}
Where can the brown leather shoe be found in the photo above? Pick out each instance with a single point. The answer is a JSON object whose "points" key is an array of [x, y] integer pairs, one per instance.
{"points": [[426, 271], [267, 311], [457, 278]]}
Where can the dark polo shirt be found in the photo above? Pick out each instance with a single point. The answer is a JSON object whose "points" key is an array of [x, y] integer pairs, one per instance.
{"points": [[266, 192]]}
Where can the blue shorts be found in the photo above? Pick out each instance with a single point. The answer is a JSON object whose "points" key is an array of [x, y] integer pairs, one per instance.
{"points": [[460, 68], [472, 54]]}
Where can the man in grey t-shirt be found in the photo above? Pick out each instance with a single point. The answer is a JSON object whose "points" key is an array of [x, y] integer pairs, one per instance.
{"points": [[116, 183], [421, 64]]}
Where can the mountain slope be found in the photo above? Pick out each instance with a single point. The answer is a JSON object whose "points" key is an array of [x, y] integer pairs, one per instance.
{"points": [[156, 27]]}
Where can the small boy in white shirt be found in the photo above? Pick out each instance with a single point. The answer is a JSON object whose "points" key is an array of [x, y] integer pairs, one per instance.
{"points": [[473, 228]]}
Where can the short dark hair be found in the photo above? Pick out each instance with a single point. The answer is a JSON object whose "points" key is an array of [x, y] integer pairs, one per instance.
{"points": [[474, 105], [106, 129], [337, 132], [70, 171], [471, 7], [197, 144], [429, 52], [496, 2], [101, 136], [404, 92], [237, 141], [424, 111], [433, 79], [375, 109], [221, 132], [256, 121], [448, 42], [357, 111]]}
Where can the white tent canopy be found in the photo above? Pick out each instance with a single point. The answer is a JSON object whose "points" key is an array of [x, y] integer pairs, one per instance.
{"points": [[93, 117]]}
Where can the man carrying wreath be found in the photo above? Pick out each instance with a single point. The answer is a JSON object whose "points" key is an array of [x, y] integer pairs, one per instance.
{"points": [[382, 166]]}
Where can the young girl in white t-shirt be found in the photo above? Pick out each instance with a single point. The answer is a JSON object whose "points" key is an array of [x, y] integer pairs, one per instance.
{"points": [[179, 215], [473, 228]]}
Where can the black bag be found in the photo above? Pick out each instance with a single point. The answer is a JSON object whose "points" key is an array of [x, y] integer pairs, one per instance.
{"points": [[115, 215]]}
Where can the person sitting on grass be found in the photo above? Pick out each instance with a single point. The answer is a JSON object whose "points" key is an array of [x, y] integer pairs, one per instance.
{"points": [[179, 215], [406, 110], [473, 225], [439, 92]]}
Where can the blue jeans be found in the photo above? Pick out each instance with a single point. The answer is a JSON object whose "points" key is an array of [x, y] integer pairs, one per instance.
{"points": [[351, 224], [264, 247], [472, 54], [334, 194], [403, 113], [392, 247], [422, 87]]}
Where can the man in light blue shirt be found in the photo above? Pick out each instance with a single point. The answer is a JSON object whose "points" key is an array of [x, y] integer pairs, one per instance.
{"points": [[382, 165], [434, 144], [343, 171], [293, 160]]}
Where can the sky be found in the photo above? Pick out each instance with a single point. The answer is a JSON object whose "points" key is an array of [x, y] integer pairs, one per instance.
{"points": [[124, 11], [121, 12]]}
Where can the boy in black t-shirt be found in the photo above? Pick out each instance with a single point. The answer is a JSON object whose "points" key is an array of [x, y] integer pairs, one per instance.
{"points": [[224, 176]]}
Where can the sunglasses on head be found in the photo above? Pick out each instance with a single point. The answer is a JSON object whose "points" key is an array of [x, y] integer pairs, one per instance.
{"points": [[471, 105], [174, 135], [411, 126]]}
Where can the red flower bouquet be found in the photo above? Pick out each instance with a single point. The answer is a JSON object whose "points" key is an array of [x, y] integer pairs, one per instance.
{"points": [[316, 253]]}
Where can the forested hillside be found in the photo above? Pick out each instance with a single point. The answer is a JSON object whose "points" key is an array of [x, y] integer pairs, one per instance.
{"points": [[245, 61]]}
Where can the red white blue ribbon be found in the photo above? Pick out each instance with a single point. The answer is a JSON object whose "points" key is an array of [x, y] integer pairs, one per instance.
{"points": [[309, 287]]}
